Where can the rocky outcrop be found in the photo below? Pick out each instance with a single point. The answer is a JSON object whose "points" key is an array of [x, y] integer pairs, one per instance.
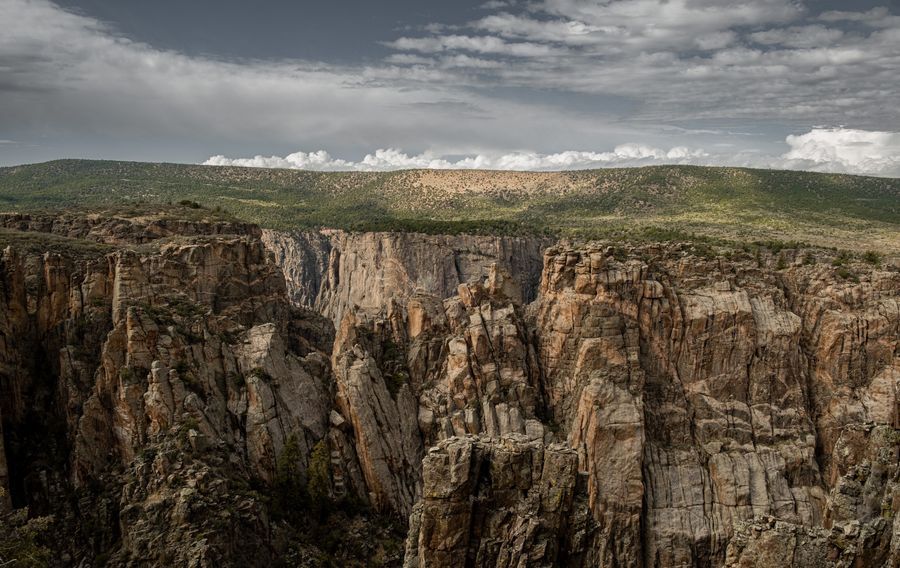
{"points": [[489, 502], [126, 227], [388, 443], [860, 527], [486, 378], [303, 257], [710, 405], [172, 375], [184, 341], [698, 395], [366, 271]]}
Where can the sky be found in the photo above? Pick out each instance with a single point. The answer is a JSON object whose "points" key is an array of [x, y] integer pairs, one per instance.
{"points": [[504, 84]]}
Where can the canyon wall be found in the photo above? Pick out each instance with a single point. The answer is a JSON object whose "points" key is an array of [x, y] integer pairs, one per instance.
{"points": [[337, 271], [513, 402]]}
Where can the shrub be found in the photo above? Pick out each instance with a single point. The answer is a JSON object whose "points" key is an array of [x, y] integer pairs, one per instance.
{"points": [[318, 484], [290, 497], [261, 374], [182, 368], [20, 538], [394, 382], [126, 374], [847, 274], [842, 258], [189, 379], [237, 380], [872, 257]]}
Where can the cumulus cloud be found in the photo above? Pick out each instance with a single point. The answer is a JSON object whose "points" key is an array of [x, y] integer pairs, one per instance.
{"points": [[845, 150], [394, 159], [836, 150], [320, 160], [495, 4]]}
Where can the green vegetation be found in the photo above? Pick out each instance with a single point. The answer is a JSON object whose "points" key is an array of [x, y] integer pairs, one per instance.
{"points": [[290, 496], [39, 243], [782, 263], [847, 274], [393, 367], [21, 538], [318, 475], [841, 259], [652, 203], [261, 374], [872, 257], [333, 532], [128, 376]]}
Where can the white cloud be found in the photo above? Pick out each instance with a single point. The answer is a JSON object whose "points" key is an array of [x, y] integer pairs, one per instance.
{"points": [[716, 40], [837, 150], [64, 76], [393, 159], [878, 17], [845, 150], [673, 24], [477, 44], [495, 4], [320, 160], [563, 31], [799, 36]]}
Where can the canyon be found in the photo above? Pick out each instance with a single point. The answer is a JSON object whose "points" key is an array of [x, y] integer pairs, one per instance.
{"points": [[169, 386]]}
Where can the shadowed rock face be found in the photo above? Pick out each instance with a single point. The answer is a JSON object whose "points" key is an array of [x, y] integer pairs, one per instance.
{"points": [[520, 405], [144, 388], [336, 272]]}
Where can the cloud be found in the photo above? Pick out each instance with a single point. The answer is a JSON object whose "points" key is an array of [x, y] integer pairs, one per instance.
{"points": [[393, 159], [76, 84], [558, 30], [769, 60], [801, 36], [320, 160], [878, 17], [845, 150], [540, 75], [672, 24], [836, 150], [477, 44], [495, 4]]}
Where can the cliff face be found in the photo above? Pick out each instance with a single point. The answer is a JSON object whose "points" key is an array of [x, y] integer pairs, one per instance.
{"points": [[702, 394], [336, 272], [143, 389], [518, 405]]}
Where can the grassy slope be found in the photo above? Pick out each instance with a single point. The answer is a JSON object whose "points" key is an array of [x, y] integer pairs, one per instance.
{"points": [[732, 203]]}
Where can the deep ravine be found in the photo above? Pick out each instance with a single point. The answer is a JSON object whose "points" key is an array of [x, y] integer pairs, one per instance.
{"points": [[215, 394]]}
